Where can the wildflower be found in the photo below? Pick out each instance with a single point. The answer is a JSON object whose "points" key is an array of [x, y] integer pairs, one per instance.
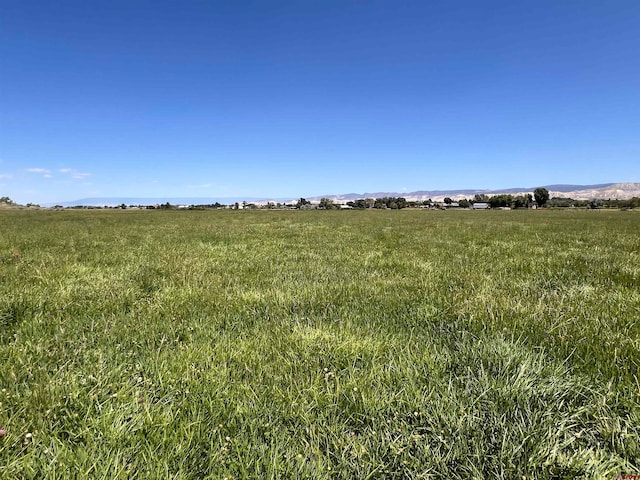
{"points": [[2, 432]]}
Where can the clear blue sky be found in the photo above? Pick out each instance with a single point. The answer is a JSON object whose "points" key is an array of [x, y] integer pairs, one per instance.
{"points": [[289, 98]]}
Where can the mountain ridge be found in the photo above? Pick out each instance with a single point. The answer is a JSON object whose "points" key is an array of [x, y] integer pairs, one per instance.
{"points": [[619, 190], [603, 191]]}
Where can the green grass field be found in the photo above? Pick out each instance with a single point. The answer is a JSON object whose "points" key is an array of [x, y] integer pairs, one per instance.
{"points": [[345, 344]]}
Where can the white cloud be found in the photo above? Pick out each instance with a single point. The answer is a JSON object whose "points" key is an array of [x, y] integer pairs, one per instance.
{"points": [[8, 176], [38, 170], [73, 173], [47, 175], [80, 176]]}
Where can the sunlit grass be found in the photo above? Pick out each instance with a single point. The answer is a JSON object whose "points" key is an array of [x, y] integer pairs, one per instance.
{"points": [[405, 344]]}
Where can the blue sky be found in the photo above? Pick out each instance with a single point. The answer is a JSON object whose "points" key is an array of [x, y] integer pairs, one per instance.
{"points": [[290, 98]]}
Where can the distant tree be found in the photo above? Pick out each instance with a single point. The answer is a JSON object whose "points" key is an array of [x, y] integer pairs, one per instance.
{"points": [[380, 203], [360, 203], [564, 202], [634, 202], [480, 198], [327, 204], [500, 201], [448, 200], [528, 200], [519, 201], [6, 200], [390, 202], [464, 203], [541, 195], [302, 202]]}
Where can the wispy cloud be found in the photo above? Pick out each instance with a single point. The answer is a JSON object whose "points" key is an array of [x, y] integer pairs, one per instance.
{"points": [[75, 174], [80, 176], [7, 176], [38, 170], [47, 175]]}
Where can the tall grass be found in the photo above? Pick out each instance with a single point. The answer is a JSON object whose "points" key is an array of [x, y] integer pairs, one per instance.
{"points": [[405, 344]]}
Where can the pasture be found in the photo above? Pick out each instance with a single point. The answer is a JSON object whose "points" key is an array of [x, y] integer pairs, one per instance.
{"points": [[320, 344]]}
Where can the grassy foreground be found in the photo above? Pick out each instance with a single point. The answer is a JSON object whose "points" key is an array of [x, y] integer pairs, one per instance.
{"points": [[403, 344]]}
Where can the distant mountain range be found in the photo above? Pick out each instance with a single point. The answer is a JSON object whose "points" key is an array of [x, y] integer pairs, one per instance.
{"points": [[603, 191], [115, 201]]}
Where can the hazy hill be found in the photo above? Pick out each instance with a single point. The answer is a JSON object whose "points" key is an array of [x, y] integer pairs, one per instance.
{"points": [[115, 201], [577, 192]]}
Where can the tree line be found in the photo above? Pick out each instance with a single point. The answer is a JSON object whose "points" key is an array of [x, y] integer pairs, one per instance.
{"points": [[539, 198]]}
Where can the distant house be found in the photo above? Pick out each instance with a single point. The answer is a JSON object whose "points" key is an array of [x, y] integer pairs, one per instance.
{"points": [[480, 206]]}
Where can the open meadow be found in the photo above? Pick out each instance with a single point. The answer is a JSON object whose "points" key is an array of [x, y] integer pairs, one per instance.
{"points": [[319, 344]]}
